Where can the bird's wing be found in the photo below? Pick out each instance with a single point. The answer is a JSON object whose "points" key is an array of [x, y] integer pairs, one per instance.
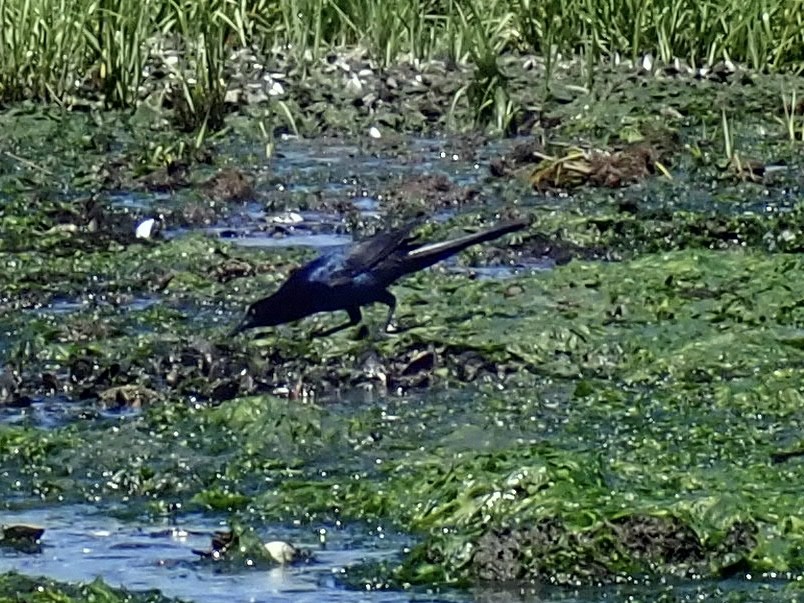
{"points": [[367, 254]]}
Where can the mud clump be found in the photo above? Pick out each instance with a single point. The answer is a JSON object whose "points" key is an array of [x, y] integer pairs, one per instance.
{"points": [[230, 269], [412, 367], [551, 247], [62, 227], [172, 177], [22, 538], [213, 372], [551, 550], [658, 539], [194, 213], [229, 185], [548, 550], [128, 396], [207, 371], [429, 191]]}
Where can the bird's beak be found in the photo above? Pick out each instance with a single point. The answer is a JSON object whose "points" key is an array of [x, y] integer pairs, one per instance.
{"points": [[243, 325]]}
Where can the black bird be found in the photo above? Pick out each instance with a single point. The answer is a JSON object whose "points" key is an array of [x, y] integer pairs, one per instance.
{"points": [[347, 279]]}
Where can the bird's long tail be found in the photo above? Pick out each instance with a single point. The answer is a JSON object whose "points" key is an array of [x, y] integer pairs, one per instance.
{"points": [[432, 253]]}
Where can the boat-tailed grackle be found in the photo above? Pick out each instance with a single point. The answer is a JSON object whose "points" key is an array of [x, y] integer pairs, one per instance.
{"points": [[350, 278]]}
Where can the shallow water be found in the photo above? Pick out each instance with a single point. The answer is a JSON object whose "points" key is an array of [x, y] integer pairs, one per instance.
{"points": [[301, 161], [84, 542], [46, 413], [336, 170]]}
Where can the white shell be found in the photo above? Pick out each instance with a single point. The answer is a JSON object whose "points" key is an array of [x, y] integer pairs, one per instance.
{"points": [[290, 217], [280, 551], [145, 229]]}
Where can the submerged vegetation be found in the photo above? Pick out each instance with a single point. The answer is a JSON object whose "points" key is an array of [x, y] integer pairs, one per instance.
{"points": [[14, 587], [632, 414]]}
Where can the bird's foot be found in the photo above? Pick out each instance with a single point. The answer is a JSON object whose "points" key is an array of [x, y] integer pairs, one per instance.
{"points": [[319, 333], [391, 328], [395, 328]]}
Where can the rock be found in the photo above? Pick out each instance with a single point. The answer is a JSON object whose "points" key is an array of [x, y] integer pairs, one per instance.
{"points": [[354, 86], [288, 218], [21, 537], [232, 96], [9, 384], [276, 89]]}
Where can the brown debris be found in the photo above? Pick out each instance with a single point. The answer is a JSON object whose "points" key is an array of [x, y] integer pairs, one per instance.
{"points": [[579, 167], [230, 269], [128, 396], [573, 167], [746, 170], [629, 165], [91, 222], [10, 394]]}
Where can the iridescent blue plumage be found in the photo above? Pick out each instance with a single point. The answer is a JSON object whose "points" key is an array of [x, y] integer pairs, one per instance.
{"points": [[352, 277]]}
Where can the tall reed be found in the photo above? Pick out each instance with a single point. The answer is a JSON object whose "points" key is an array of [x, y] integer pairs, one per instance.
{"points": [[55, 49]]}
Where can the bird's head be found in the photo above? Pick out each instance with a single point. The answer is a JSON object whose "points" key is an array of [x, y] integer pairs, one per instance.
{"points": [[258, 315], [271, 311]]}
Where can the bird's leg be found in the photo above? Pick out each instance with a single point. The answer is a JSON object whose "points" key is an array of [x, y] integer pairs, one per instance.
{"points": [[355, 316], [387, 298]]}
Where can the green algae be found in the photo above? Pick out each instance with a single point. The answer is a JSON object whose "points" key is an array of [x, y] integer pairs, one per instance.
{"points": [[645, 397], [626, 228], [24, 589]]}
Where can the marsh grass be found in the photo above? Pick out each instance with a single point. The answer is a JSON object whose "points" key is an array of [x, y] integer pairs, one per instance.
{"points": [[206, 29], [54, 50], [116, 42], [388, 30], [793, 120], [487, 92]]}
